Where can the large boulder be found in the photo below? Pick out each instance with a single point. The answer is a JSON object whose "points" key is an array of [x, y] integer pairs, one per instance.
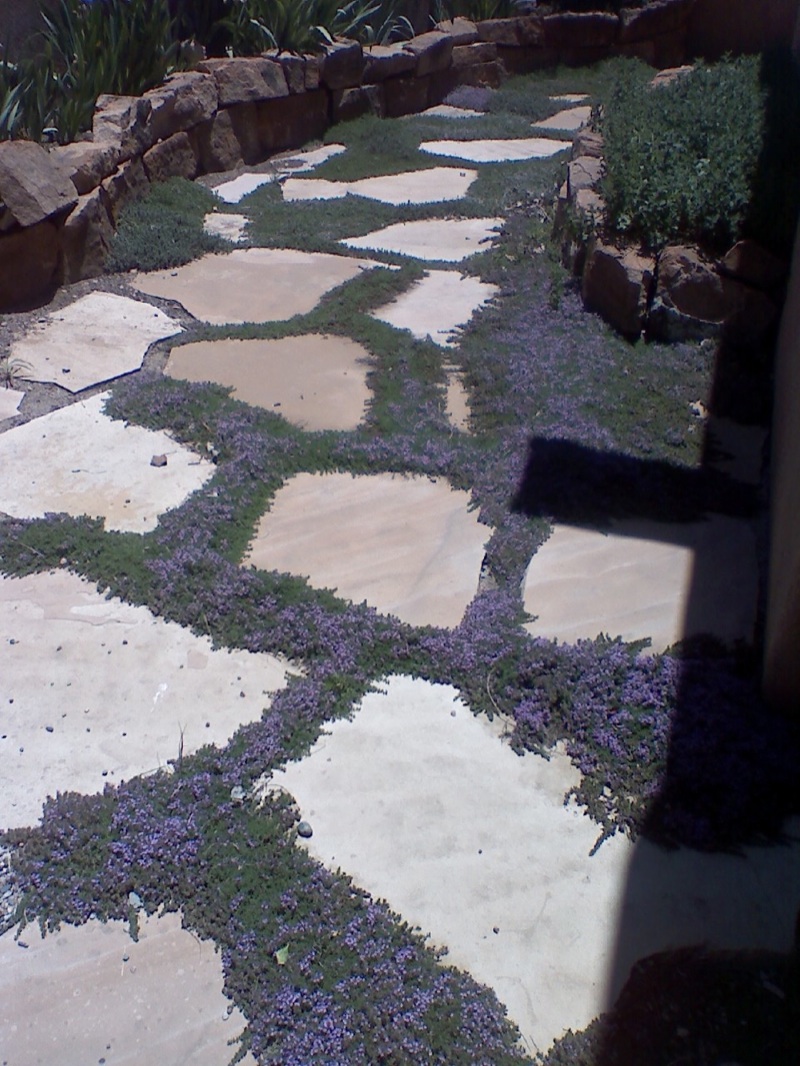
{"points": [[342, 65], [753, 264], [128, 182], [29, 264], [87, 163], [216, 144], [173, 158], [360, 100], [617, 283], [584, 172], [246, 80], [461, 30], [382, 61], [33, 186], [407, 95], [86, 237], [523, 31], [123, 122], [182, 102], [432, 52]]}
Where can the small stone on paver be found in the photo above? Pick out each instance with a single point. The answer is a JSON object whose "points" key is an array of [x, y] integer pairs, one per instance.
{"points": [[437, 305], [571, 119], [98, 337], [412, 187], [316, 381], [497, 150], [83, 990], [144, 687], [10, 399], [252, 284], [445, 240], [447, 111], [79, 461], [645, 579], [409, 546], [297, 163], [229, 227]]}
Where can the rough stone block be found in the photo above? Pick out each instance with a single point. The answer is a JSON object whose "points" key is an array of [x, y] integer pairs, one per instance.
{"points": [[583, 173], [182, 102], [246, 80], [469, 55], [387, 61], [311, 71], [587, 143], [407, 95], [461, 30], [291, 122], [173, 158], [432, 51], [87, 163], [127, 183], [578, 29], [342, 65], [750, 262], [663, 16], [293, 67], [616, 284], [244, 124], [124, 121], [523, 59], [29, 260], [361, 100], [523, 31], [33, 186], [86, 238], [216, 145]]}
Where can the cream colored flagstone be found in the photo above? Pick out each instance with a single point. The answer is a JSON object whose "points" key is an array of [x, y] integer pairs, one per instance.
{"points": [[79, 461], [94, 339], [457, 400], [437, 305], [233, 191], [316, 381], [447, 240], [447, 111], [665, 581], [228, 226], [412, 187], [252, 284], [10, 399], [97, 691], [91, 994], [570, 119], [409, 546], [497, 150], [423, 804]]}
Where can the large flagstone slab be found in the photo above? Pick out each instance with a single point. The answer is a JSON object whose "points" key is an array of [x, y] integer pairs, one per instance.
{"points": [[437, 305], [91, 994], [96, 691], [422, 804], [319, 382], [79, 461], [406, 545], [412, 187], [495, 150], [10, 399], [233, 191], [569, 119], [447, 240], [228, 226], [645, 579], [98, 337], [252, 284]]}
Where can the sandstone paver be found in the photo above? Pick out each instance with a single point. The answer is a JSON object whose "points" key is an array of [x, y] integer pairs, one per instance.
{"points": [[412, 187], [447, 240], [437, 305], [497, 150], [229, 226], [570, 119], [233, 191], [10, 399]]}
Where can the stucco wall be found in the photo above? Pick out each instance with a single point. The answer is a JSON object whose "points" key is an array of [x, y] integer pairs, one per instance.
{"points": [[737, 26]]}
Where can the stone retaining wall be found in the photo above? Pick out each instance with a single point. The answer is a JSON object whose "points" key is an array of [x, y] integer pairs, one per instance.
{"points": [[740, 26], [60, 205]]}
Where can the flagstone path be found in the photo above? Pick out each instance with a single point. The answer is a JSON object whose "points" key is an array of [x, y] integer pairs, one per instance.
{"points": [[421, 802]]}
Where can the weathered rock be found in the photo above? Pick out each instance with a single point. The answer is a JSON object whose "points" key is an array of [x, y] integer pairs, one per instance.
{"points": [[87, 163], [751, 263], [660, 17], [294, 69], [173, 158], [125, 184], [124, 121], [216, 145], [406, 96], [244, 124], [669, 75], [432, 51], [29, 260], [86, 237], [361, 100], [342, 65], [182, 102], [386, 61], [587, 143], [33, 186], [246, 80], [616, 284], [461, 30], [590, 205], [489, 75], [583, 173], [470, 55], [693, 300], [523, 31], [578, 30], [311, 72], [291, 122]]}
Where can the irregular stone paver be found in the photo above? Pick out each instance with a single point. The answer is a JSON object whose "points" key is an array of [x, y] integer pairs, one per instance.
{"points": [[437, 305], [458, 407], [447, 111], [229, 227], [496, 150], [406, 545], [413, 187], [636, 582], [79, 461], [252, 284], [94, 339], [570, 98], [91, 994], [423, 805], [571, 119], [318, 382], [299, 162], [97, 691], [10, 399], [446, 240]]}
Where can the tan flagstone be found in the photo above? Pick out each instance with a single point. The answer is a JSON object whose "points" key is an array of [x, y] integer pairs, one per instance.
{"points": [[98, 337], [665, 581], [446, 240], [10, 399], [458, 407], [497, 150], [412, 187], [437, 305], [228, 226], [316, 381], [79, 461], [90, 994], [252, 284], [233, 191], [96, 691], [407, 545], [571, 119]]}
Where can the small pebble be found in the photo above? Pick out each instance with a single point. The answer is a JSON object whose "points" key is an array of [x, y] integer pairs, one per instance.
{"points": [[305, 830], [495, 929], [49, 728], [126, 957]]}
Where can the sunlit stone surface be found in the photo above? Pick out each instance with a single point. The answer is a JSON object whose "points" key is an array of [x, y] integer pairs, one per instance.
{"points": [[233, 191], [229, 227], [414, 187], [10, 399], [79, 461], [406, 545], [570, 119], [437, 305], [497, 150], [447, 240]]}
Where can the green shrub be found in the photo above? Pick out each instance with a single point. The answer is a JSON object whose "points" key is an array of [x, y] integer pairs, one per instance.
{"points": [[164, 228], [681, 160]]}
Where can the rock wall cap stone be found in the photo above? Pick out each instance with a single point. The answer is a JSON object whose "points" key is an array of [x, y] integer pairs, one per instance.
{"points": [[33, 186]]}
